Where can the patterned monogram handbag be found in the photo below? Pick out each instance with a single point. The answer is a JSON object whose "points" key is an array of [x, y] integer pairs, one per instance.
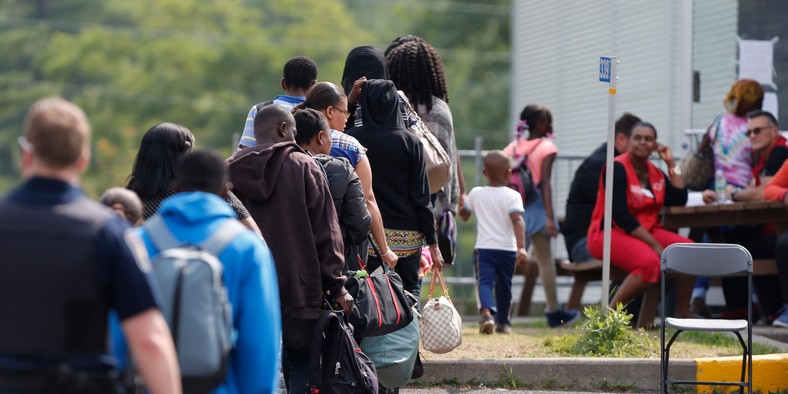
{"points": [[441, 325], [698, 167]]}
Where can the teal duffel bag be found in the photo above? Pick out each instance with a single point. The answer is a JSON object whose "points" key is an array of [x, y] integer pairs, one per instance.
{"points": [[394, 354]]}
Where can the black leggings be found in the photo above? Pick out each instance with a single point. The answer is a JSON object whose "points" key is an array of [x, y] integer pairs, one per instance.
{"points": [[760, 246], [782, 264]]}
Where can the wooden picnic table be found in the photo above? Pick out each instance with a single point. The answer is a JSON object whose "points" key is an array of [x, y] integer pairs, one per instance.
{"points": [[712, 215], [715, 215], [737, 213]]}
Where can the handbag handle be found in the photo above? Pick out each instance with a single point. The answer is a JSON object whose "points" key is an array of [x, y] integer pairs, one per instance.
{"points": [[377, 252], [438, 275]]}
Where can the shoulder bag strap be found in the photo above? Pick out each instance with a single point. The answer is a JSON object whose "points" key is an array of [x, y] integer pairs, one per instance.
{"points": [[706, 136]]}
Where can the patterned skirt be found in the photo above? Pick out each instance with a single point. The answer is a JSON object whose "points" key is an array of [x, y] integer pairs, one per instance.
{"points": [[402, 242]]}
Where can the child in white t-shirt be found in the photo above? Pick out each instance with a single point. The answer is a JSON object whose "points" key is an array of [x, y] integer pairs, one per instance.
{"points": [[500, 241]]}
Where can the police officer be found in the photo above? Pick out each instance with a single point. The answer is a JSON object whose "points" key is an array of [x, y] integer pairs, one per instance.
{"points": [[66, 262]]}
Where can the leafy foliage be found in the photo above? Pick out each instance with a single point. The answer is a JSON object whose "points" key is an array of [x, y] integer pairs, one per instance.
{"points": [[606, 335], [133, 64]]}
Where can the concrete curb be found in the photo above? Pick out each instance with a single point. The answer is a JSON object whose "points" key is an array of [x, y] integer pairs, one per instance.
{"points": [[770, 372], [564, 373]]}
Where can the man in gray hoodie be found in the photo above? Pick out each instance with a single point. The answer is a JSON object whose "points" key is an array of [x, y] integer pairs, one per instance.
{"points": [[287, 193]]}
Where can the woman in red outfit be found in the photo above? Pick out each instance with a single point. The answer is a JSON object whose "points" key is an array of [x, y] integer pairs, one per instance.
{"points": [[640, 190]]}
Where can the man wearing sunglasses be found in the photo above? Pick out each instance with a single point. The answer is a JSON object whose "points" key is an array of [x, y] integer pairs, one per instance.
{"points": [[770, 150]]}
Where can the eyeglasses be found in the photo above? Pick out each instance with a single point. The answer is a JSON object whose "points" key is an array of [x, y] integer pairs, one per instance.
{"points": [[24, 144], [757, 130], [344, 111]]}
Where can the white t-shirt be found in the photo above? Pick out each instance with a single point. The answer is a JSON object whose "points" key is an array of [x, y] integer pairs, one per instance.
{"points": [[492, 206]]}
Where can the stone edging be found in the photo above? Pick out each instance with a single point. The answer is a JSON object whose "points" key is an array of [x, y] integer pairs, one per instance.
{"points": [[770, 372]]}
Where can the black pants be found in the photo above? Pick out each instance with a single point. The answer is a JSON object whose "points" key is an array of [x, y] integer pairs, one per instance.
{"points": [[297, 337], [782, 265], [760, 246], [61, 381]]}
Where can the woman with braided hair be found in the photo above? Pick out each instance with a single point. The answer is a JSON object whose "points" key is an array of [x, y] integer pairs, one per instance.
{"points": [[416, 68]]}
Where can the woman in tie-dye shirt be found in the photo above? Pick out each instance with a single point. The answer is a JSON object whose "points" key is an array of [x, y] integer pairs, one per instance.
{"points": [[732, 150]]}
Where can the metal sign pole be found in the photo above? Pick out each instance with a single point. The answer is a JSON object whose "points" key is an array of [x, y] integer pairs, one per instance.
{"points": [[608, 69]]}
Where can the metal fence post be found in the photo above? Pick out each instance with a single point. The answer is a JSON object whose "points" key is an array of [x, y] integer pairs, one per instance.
{"points": [[478, 148]]}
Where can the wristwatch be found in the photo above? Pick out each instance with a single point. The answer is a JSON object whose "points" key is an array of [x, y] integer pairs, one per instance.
{"points": [[733, 193], [676, 170]]}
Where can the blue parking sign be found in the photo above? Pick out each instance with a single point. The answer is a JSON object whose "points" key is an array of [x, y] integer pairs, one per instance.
{"points": [[604, 69]]}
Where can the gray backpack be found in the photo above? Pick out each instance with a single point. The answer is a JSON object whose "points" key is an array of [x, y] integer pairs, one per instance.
{"points": [[195, 301]]}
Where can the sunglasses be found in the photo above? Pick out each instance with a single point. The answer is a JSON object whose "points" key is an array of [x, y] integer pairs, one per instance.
{"points": [[757, 130]]}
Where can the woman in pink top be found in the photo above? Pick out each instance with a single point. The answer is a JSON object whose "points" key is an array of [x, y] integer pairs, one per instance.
{"points": [[540, 220]]}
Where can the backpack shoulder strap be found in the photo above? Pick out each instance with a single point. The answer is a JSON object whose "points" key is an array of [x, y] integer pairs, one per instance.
{"points": [[221, 237], [264, 104], [160, 234], [326, 319], [533, 148]]}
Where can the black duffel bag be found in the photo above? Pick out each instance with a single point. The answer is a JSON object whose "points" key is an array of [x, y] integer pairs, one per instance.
{"points": [[380, 305]]}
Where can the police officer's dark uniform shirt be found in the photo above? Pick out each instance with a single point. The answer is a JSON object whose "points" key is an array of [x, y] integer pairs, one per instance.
{"points": [[121, 266]]}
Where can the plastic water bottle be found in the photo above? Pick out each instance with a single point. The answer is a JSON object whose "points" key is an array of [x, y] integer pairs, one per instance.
{"points": [[720, 185]]}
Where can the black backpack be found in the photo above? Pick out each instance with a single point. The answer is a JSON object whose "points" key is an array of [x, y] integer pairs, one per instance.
{"points": [[336, 362], [522, 179]]}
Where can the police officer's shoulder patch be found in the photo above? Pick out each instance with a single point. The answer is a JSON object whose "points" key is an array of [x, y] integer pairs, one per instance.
{"points": [[137, 247]]}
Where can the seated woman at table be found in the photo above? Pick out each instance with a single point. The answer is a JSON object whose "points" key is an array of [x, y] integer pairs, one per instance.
{"points": [[771, 151], [640, 190]]}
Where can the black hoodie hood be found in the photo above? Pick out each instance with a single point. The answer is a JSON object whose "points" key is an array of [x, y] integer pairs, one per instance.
{"points": [[380, 106], [364, 61], [254, 172]]}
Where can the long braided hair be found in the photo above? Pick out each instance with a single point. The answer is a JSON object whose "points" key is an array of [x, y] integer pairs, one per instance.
{"points": [[416, 68]]}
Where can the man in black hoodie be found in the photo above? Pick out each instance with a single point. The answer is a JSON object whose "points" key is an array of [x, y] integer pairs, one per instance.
{"points": [[288, 195]]}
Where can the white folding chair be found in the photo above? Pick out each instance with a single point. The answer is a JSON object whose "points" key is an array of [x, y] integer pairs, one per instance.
{"points": [[708, 260]]}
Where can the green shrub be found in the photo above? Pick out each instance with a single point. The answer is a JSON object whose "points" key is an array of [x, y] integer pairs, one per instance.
{"points": [[605, 335]]}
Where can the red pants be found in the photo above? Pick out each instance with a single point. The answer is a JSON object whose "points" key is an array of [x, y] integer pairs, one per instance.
{"points": [[633, 255]]}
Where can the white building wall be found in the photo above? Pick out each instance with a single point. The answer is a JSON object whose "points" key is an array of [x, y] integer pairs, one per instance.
{"points": [[555, 58], [714, 55]]}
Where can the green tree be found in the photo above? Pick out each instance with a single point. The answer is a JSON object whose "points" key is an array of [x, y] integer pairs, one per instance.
{"points": [[131, 65], [473, 40]]}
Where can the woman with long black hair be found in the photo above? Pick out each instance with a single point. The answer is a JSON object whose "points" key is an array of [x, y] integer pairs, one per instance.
{"points": [[153, 174]]}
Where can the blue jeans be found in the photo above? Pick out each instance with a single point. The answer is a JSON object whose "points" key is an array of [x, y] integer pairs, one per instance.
{"points": [[580, 253], [494, 268]]}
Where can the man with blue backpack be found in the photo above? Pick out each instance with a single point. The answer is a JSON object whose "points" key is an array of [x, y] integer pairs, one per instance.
{"points": [[188, 225]]}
